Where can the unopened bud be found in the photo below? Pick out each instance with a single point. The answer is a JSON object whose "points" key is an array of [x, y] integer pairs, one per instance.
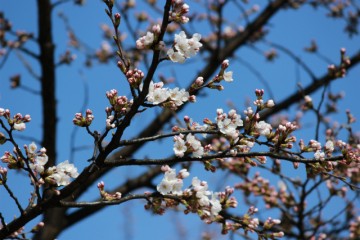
{"points": [[117, 17]]}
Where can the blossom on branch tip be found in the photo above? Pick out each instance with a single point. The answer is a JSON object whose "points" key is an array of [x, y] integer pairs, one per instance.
{"points": [[62, 173], [228, 76], [171, 184], [179, 146], [228, 123], [263, 128], [171, 98], [178, 11], [145, 41], [183, 47], [19, 126]]}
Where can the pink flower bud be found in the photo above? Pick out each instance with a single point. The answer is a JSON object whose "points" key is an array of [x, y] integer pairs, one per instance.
{"points": [[225, 64], [192, 98]]}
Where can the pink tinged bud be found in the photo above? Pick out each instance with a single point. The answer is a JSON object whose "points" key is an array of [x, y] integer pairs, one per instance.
{"points": [[2, 112], [259, 92], [187, 119], [101, 185], [27, 118], [175, 129], [165, 168], [229, 190], [225, 64], [270, 103], [192, 98], [207, 121], [156, 29], [199, 81]]}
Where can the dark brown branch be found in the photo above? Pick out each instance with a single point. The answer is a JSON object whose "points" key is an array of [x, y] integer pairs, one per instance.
{"points": [[172, 160]]}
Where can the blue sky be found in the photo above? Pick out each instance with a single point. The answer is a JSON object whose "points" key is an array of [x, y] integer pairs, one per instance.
{"points": [[293, 29]]}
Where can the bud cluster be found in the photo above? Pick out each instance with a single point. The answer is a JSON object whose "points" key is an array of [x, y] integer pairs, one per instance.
{"points": [[107, 196], [81, 121], [340, 72], [189, 145], [147, 41], [178, 11], [134, 77], [119, 104], [17, 122]]}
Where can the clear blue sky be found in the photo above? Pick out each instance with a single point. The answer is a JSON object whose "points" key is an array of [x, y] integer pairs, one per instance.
{"points": [[293, 29]]}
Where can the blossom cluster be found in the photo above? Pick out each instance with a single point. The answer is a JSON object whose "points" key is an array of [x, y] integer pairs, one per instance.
{"points": [[170, 98], [62, 173], [210, 206], [146, 42], [120, 105], [17, 122], [81, 121], [178, 11], [183, 47], [199, 199], [189, 145], [228, 123], [59, 175], [172, 183], [38, 159]]}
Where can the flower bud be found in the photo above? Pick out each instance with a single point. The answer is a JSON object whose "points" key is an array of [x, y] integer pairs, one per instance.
{"points": [[117, 17]]}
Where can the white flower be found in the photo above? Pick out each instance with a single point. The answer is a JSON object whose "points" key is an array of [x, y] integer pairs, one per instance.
{"points": [[215, 205], [38, 165], [177, 187], [63, 172], [227, 127], [67, 168], [149, 38], [179, 146], [32, 148], [145, 41], [319, 155], [200, 187], [270, 103], [175, 56], [204, 201], [159, 95], [185, 48], [19, 126], [263, 128], [228, 76], [164, 187], [170, 175], [329, 146], [178, 96], [61, 178], [197, 149], [170, 183], [184, 173]]}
